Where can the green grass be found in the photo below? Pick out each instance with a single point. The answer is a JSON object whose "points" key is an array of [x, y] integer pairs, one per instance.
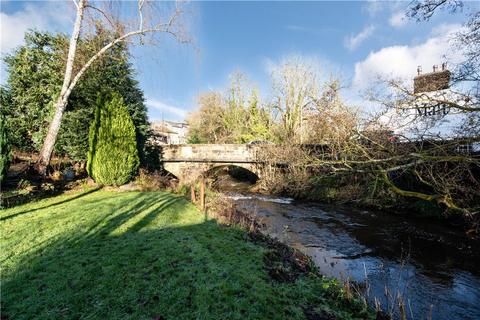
{"points": [[144, 255]]}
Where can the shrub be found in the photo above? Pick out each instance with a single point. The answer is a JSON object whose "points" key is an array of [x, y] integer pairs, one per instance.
{"points": [[152, 157], [112, 155], [153, 181], [5, 151]]}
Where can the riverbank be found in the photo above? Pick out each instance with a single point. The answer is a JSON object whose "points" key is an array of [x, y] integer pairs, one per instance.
{"points": [[151, 255], [401, 264], [378, 197], [355, 191]]}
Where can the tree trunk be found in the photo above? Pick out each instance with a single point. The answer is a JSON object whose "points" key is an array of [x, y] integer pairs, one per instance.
{"points": [[47, 148]]}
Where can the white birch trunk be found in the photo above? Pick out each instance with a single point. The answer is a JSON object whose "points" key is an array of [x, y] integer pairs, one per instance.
{"points": [[49, 142]]}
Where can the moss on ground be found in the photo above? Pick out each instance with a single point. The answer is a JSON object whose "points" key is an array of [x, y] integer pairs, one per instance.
{"points": [[146, 255]]}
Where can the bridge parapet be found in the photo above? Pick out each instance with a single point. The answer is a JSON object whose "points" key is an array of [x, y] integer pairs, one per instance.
{"points": [[241, 153]]}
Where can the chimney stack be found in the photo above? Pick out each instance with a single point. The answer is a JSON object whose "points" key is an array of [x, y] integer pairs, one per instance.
{"points": [[433, 81]]}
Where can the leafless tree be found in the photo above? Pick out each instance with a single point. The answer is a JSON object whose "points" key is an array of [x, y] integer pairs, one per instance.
{"points": [[295, 82], [141, 20], [424, 9], [442, 164]]}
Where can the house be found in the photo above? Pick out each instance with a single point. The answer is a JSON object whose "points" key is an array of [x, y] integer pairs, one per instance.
{"points": [[169, 132], [427, 113]]}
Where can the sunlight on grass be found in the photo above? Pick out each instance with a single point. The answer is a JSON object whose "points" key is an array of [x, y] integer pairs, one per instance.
{"points": [[141, 255]]}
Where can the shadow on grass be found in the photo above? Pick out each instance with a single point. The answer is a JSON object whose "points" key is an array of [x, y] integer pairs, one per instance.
{"points": [[150, 256], [77, 196]]}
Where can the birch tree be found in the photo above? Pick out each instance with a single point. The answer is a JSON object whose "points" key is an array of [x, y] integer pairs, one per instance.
{"points": [[148, 21]]}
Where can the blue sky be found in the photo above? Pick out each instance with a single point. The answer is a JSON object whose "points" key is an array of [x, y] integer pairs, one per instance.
{"points": [[354, 39]]}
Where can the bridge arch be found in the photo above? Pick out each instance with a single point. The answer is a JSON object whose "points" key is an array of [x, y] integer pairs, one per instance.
{"points": [[236, 171], [188, 172]]}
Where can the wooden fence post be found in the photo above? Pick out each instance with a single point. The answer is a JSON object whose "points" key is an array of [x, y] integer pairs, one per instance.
{"points": [[202, 193], [192, 193]]}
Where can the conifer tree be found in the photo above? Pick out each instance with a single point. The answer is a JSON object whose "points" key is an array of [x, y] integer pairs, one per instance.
{"points": [[34, 76], [112, 155]]}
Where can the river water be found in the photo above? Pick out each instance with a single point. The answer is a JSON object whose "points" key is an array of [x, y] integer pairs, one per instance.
{"points": [[434, 268]]}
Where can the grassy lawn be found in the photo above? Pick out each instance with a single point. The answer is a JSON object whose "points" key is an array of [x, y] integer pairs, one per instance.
{"points": [[143, 255]]}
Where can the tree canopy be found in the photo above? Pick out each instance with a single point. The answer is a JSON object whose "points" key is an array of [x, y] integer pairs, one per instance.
{"points": [[35, 73], [112, 154], [233, 117]]}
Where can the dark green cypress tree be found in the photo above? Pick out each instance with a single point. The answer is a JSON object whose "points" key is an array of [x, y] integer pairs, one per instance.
{"points": [[112, 155]]}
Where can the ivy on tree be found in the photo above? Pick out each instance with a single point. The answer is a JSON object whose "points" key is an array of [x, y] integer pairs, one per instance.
{"points": [[5, 151]]}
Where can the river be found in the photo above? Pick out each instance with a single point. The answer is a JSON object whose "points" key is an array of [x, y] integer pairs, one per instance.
{"points": [[434, 268]]}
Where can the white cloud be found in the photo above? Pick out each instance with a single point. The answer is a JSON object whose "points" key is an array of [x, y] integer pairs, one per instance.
{"points": [[41, 16], [165, 107], [354, 41], [445, 29], [13, 27], [398, 19], [401, 61]]}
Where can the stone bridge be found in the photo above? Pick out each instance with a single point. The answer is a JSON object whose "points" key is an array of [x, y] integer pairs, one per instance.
{"points": [[189, 161]]}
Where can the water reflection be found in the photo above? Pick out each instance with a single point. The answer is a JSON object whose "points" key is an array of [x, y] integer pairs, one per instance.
{"points": [[433, 267]]}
